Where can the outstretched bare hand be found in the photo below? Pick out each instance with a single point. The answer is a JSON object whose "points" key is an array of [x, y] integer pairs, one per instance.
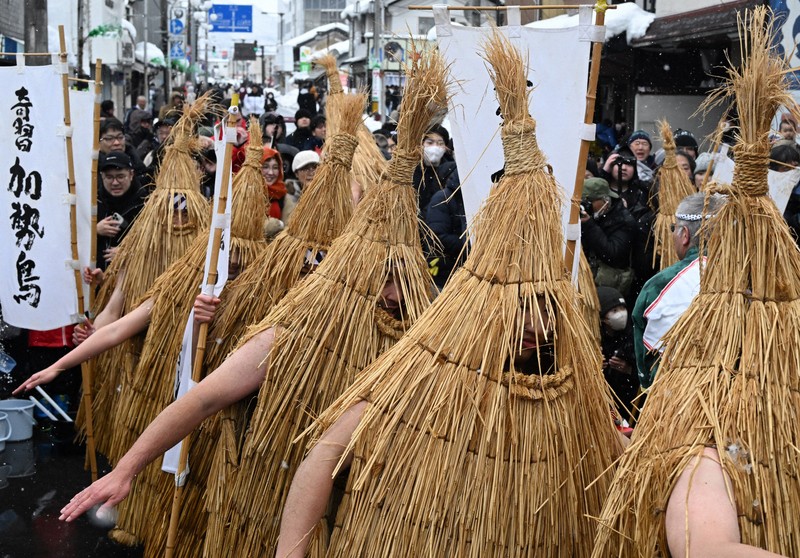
{"points": [[109, 491], [42, 377]]}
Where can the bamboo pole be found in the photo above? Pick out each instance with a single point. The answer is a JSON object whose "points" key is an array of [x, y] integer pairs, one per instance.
{"points": [[98, 89], [504, 8], [86, 370], [588, 118], [199, 356]]}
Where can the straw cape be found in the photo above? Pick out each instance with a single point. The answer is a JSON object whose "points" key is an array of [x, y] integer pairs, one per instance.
{"points": [[153, 243], [673, 186], [320, 216], [369, 164], [330, 327], [460, 453], [728, 376], [145, 513], [590, 303]]}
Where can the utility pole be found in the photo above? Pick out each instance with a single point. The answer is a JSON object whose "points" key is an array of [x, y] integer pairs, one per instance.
{"points": [[146, 60], [165, 48], [377, 71], [36, 31]]}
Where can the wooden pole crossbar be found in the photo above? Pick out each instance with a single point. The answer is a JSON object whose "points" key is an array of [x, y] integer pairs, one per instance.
{"points": [[32, 53], [86, 371], [199, 356]]}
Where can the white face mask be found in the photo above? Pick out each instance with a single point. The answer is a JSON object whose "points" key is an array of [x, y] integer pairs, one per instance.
{"points": [[433, 154], [617, 320]]}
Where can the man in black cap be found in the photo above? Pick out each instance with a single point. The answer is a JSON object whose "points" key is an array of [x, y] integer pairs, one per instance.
{"points": [[616, 342], [303, 134], [685, 141], [119, 201]]}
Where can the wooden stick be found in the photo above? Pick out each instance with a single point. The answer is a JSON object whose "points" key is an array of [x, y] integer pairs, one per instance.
{"points": [[202, 334], [86, 371], [27, 53], [588, 118], [82, 80], [504, 8], [98, 90]]}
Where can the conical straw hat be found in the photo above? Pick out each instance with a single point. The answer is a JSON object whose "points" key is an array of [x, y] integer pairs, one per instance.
{"points": [[673, 186], [150, 247], [369, 164], [728, 375], [381, 239], [454, 435], [151, 388]]}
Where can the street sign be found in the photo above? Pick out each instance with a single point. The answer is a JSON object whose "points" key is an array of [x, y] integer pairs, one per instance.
{"points": [[231, 18], [244, 51], [175, 27], [176, 49]]}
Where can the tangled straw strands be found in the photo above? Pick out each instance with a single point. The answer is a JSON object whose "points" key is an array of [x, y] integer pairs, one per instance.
{"points": [[369, 163], [590, 303], [151, 245], [728, 376], [673, 186], [455, 432], [310, 366], [153, 386]]}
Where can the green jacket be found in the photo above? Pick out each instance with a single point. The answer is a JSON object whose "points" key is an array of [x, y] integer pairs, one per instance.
{"points": [[647, 361]]}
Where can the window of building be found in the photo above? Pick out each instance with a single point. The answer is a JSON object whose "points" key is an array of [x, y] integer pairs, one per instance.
{"points": [[424, 24]]}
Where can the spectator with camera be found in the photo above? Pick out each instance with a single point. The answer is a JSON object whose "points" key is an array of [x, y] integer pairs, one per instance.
{"points": [[616, 340], [119, 201], [606, 235]]}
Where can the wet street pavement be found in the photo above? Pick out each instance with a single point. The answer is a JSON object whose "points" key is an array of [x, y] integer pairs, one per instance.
{"points": [[53, 471]]}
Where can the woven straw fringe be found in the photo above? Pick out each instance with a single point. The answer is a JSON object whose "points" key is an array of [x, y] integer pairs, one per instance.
{"points": [[310, 366], [728, 376], [674, 185]]}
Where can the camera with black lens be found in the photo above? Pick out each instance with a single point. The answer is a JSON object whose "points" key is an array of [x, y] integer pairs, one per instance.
{"points": [[630, 161], [586, 207]]}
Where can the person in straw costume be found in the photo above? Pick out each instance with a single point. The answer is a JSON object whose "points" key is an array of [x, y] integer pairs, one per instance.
{"points": [[332, 176], [310, 366], [483, 429], [159, 236], [673, 186], [369, 164], [163, 314], [712, 468]]}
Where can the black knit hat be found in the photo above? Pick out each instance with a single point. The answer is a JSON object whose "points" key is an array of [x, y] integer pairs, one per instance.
{"points": [[640, 134], [609, 298], [684, 138]]}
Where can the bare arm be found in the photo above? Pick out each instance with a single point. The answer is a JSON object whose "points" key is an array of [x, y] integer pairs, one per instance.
{"points": [[105, 338], [113, 310], [237, 377], [701, 520], [312, 484]]}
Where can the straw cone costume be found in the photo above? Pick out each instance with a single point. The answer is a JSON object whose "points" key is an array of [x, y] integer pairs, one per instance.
{"points": [[149, 248], [329, 328], [728, 377], [459, 452], [145, 514], [673, 186], [320, 216]]}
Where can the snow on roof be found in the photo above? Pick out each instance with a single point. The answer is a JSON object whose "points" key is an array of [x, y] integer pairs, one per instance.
{"points": [[310, 35], [128, 26], [628, 18], [154, 54], [341, 47]]}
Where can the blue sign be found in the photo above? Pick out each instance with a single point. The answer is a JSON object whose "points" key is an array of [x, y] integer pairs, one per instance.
{"points": [[231, 18], [175, 27], [176, 49]]}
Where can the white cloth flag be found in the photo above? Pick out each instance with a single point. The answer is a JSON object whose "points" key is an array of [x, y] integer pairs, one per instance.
{"points": [[558, 69], [82, 117], [780, 184], [183, 380], [37, 289]]}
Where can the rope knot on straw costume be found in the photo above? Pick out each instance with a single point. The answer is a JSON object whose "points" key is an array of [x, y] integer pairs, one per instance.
{"points": [[752, 167], [253, 157], [520, 148], [402, 165], [341, 150]]}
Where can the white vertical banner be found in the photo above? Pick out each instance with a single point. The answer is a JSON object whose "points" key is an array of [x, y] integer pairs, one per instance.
{"points": [[183, 380], [82, 116], [558, 66], [37, 284]]}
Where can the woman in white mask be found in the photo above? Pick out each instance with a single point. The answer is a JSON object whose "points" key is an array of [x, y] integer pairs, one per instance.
{"points": [[616, 331], [437, 166]]}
